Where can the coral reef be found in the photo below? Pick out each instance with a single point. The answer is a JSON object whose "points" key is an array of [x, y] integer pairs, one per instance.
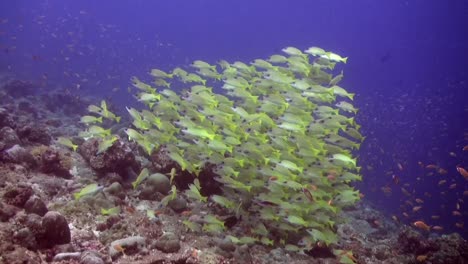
{"points": [[118, 158], [210, 203]]}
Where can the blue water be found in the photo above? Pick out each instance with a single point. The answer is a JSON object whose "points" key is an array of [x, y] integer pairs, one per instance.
{"points": [[408, 64]]}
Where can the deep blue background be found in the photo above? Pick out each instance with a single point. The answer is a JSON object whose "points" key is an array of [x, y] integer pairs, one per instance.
{"points": [[408, 64]]}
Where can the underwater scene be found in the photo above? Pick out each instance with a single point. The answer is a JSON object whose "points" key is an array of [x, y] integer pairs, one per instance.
{"points": [[257, 132]]}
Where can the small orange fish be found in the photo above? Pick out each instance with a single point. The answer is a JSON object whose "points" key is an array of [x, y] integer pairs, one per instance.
{"points": [[417, 208], [194, 253], [442, 182], [395, 179], [405, 214], [422, 225], [130, 209], [463, 172], [186, 213], [437, 228], [273, 178], [435, 217], [465, 193], [386, 190], [453, 186], [405, 192], [456, 213], [119, 248], [376, 223], [419, 201], [158, 212], [442, 171], [400, 167], [465, 148], [460, 225], [431, 166], [421, 258]]}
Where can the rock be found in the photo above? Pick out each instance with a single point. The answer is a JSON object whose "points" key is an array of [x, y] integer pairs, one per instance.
{"points": [[8, 138], [20, 255], [178, 204], [33, 223], [67, 256], [34, 134], [115, 159], [242, 254], [25, 238], [168, 243], [6, 211], [26, 106], [91, 257], [159, 182], [5, 119], [34, 205], [17, 195], [18, 155], [148, 193], [19, 88], [131, 245], [115, 189], [53, 161], [226, 244], [56, 228], [64, 248]]}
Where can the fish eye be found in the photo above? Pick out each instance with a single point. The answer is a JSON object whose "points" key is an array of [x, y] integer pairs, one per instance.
{"points": [[322, 121]]}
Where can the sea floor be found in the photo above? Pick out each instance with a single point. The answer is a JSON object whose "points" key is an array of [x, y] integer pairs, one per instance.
{"points": [[42, 222]]}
